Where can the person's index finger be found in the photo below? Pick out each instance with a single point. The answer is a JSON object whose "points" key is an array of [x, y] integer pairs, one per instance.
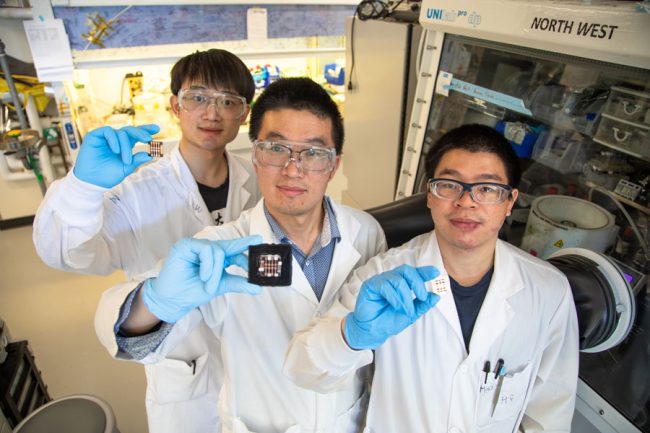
{"points": [[138, 133], [428, 272], [236, 246], [126, 149], [151, 128], [110, 135]]}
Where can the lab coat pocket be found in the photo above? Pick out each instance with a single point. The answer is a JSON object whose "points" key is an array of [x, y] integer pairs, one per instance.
{"points": [[502, 402], [238, 426], [174, 380]]}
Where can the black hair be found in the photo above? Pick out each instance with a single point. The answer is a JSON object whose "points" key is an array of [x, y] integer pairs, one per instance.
{"points": [[476, 138], [297, 94], [216, 68]]}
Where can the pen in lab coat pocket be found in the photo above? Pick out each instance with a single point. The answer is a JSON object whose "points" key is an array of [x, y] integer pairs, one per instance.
{"points": [[501, 371], [192, 364]]}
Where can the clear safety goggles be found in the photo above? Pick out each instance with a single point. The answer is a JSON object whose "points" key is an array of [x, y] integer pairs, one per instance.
{"points": [[228, 106], [480, 192], [306, 156]]}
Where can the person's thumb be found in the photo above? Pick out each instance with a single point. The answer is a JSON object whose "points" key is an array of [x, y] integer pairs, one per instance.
{"points": [[237, 284], [422, 307]]}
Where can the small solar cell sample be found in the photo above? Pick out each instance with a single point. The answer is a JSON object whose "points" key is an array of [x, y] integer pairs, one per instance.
{"points": [[439, 285], [156, 149], [269, 264]]}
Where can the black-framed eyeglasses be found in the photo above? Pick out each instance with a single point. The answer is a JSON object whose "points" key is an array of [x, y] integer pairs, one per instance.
{"points": [[307, 156], [228, 106], [480, 192]]}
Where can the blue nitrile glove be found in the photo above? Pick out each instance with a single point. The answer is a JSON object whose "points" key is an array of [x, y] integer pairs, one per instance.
{"points": [[386, 306], [106, 154], [193, 274]]}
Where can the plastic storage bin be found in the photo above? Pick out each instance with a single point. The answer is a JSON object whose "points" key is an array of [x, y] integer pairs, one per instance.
{"points": [[630, 105], [522, 137], [566, 153], [629, 137]]}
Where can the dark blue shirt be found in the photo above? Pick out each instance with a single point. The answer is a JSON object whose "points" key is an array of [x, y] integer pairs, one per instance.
{"points": [[468, 303], [316, 264]]}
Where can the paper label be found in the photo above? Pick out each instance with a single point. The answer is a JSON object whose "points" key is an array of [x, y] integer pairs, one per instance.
{"points": [[50, 49], [257, 27]]}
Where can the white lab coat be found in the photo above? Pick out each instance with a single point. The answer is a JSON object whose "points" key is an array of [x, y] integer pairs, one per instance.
{"points": [[424, 379], [255, 332], [83, 228]]}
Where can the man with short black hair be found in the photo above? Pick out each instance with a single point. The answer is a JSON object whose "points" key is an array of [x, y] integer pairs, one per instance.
{"points": [[297, 135], [498, 353], [104, 216]]}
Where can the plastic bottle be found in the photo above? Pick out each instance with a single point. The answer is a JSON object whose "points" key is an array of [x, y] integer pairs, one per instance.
{"points": [[624, 242]]}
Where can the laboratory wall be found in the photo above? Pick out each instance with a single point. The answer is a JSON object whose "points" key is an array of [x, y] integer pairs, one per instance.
{"points": [[149, 39]]}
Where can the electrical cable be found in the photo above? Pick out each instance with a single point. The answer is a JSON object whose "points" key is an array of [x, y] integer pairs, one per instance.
{"points": [[366, 10], [633, 225]]}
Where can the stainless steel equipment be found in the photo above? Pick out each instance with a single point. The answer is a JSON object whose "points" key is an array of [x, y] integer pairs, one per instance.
{"points": [[568, 84]]}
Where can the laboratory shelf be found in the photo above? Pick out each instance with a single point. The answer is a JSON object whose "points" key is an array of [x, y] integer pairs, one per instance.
{"points": [[170, 54]]}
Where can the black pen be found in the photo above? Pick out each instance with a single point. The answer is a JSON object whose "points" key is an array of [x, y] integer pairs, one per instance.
{"points": [[192, 364], [498, 367], [486, 370]]}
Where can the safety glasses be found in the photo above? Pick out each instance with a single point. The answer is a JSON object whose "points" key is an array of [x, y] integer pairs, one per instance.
{"points": [[306, 156], [228, 106], [480, 192]]}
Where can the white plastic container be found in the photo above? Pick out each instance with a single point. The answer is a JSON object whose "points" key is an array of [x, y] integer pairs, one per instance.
{"points": [[150, 108], [566, 154], [628, 104], [633, 138], [559, 221]]}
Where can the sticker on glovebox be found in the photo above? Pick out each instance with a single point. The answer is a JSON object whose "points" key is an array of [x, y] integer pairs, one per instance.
{"points": [[438, 285]]}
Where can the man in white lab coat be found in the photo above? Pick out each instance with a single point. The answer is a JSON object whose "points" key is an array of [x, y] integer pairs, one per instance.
{"points": [[498, 353], [101, 218], [298, 135]]}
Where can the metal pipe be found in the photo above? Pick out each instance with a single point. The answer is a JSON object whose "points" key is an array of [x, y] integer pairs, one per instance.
{"points": [[17, 13], [43, 151], [12, 87]]}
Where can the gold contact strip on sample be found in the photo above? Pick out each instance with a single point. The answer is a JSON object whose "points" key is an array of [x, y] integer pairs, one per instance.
{"points": [[156, 149]]}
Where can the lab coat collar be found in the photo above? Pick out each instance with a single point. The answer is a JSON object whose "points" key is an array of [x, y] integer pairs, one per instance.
{"points": [[496, 312], [345, 256], [446, 305], [344, 259], [237, 194]]}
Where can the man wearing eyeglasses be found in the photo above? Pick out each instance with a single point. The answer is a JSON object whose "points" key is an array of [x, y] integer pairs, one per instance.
{"points": [[104, 216], [297, 132], [498, 353]]}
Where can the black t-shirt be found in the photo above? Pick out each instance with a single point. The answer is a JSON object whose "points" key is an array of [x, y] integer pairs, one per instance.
{"points": [[215, 199], [468, 303]]}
